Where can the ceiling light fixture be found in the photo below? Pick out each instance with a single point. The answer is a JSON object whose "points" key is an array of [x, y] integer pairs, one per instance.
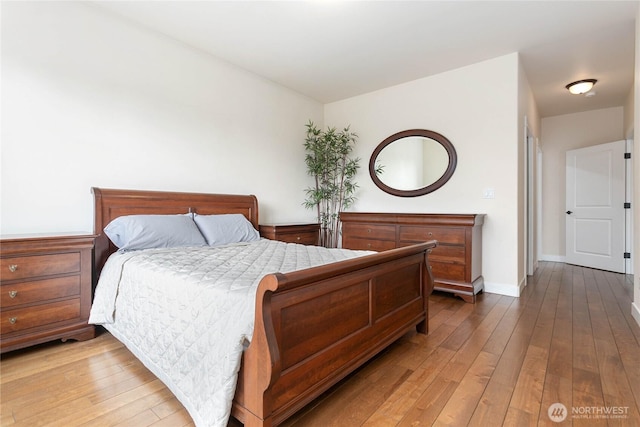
{"points": [[581, 86]]}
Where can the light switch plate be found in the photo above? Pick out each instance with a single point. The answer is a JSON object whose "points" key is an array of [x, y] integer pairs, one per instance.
{"points": [[489, 193]]}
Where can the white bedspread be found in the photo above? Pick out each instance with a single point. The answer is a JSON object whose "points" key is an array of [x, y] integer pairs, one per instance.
{"points": [[188, 313]]}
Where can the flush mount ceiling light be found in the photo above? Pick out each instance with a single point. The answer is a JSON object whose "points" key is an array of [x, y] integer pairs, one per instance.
{"points": [[581, 86]]}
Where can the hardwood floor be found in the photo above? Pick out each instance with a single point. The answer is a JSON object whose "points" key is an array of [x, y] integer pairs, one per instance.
{"points": [[568, 339]]}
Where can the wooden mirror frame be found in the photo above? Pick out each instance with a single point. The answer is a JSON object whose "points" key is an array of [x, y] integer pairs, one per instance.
{"points": [[448, 146]]}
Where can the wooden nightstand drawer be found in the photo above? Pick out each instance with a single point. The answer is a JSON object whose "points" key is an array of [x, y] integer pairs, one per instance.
{"points": [[304, 234], [302, 238], [20, 319], [21, 267], [39, 291], [441, 234]]}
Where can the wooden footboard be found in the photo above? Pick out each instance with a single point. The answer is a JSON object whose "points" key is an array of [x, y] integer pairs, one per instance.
{"points": [[315, 326]]}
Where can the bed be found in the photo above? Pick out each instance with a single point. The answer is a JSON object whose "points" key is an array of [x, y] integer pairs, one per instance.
{"points": [[311, 327]]}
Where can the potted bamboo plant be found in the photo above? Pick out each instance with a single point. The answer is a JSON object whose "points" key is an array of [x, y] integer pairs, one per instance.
{"points": [[329, 162]]}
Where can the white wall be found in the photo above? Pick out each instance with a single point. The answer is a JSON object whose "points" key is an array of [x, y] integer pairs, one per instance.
{"points": [[90, 100], [559, 134], [476, 108], [629, 114]]}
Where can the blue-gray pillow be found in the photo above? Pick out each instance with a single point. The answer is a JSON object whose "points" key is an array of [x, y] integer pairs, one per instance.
{"points": [[133, 232], [224, 229]]}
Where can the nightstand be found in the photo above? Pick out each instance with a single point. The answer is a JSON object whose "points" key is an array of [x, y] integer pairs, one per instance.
{"points": [[305, 234], [46, 288]]}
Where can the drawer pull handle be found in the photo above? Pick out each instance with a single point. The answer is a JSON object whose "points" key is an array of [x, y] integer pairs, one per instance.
{"points": [[368, 245], [430, 234], [13, 294], [13, 320], [13, 267], [298, 238], [368, 230]]}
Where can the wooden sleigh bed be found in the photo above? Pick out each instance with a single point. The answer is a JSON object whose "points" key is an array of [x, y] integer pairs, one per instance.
{"points": [[312, 327]]}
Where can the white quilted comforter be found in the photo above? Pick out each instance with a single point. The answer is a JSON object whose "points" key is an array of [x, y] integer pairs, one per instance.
{"points": [[188, 313]]}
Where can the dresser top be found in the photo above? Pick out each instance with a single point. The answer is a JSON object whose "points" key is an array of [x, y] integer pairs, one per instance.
{"points": [[414, 218]]}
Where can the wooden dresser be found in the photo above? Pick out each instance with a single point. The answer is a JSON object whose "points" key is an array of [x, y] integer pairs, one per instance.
{"points": [[456, 263], [46, 285], [305, 234]]}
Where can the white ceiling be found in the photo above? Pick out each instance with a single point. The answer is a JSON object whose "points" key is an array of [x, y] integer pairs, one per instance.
{"points": [[332, 50]]}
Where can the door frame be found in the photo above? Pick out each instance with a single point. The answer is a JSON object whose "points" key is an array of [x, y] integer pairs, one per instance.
{"points": [[628, 213], [530, 253]]}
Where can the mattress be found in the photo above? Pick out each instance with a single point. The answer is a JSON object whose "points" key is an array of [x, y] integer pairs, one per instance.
{"points": [[188, 313]]}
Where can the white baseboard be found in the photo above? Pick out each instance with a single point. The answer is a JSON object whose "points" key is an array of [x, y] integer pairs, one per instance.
{"points": [[502, 289], [522, 285], [635, 312], [553, 258]]}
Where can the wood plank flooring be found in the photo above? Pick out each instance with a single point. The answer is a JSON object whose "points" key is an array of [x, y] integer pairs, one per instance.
{"points": [[569, 339]]}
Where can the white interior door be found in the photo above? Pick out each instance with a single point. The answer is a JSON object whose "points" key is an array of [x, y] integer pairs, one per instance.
{"points": [[595, 206]]}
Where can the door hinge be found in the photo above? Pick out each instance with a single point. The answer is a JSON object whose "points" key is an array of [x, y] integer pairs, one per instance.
{"points": [[627, 155], [627, 205], [627, 254]]}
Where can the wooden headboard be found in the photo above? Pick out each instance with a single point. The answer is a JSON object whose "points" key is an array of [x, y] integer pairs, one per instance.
{"points": [[111, 203]]}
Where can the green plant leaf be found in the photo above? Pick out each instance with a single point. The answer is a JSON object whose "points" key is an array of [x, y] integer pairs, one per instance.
{"points": [[328, 160]]}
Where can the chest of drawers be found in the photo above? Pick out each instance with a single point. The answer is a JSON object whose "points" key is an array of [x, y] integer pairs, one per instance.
{"points": [[456, 263], [46, 285], [305, 234]]}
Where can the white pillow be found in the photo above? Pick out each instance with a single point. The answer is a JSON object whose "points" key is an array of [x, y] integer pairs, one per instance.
{"points": [[133, 232], [226, 228]]}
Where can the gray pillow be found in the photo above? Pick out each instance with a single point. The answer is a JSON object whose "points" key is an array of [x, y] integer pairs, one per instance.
{"points": [[133, 232], [226, 228]]}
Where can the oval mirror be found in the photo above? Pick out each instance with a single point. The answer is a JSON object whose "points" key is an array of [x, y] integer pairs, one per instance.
{"points": [[412, 163]]}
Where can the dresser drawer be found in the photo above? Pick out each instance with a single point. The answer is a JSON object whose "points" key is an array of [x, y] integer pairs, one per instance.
{"points": [[447, 270], [444, 252], [355, 243], [448, 253], [370, 231], [19, 319], [441, 234], [22, 267], [39, 291]]}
